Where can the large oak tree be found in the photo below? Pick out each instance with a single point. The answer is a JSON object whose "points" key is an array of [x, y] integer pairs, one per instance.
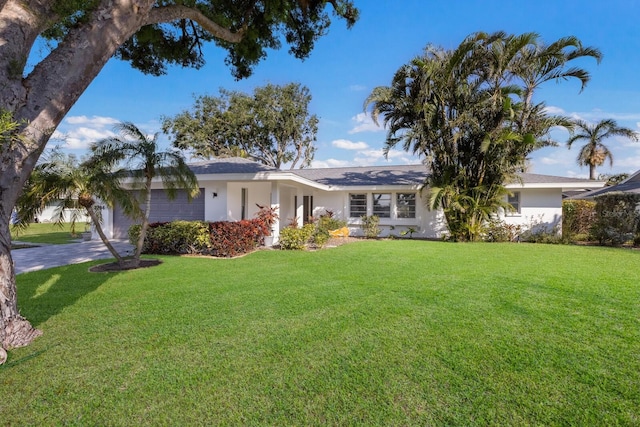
{"points": [[273, 126], [150, 34]]}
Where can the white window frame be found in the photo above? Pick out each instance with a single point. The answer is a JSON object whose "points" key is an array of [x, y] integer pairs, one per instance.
{"points": [[351, 206], [411, 206], [386, 211], [515, 200]]}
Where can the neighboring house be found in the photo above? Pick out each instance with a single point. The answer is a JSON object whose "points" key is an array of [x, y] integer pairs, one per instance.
{"points": [[629, 185], [230, 189]]}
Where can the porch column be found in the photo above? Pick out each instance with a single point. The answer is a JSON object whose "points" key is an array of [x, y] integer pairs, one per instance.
{"points": [[300, 208], [275, 204]]}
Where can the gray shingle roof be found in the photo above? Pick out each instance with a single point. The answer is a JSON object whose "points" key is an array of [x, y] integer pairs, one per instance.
{"points": [[355, 176], [534, 178], [630, 185], [229, 165], [366, 176]]}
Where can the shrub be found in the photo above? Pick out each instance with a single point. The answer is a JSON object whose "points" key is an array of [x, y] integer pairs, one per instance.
{"points": [[177, 237], [577, 218], [296, 238], [232, 238], [329, 223], [618, 218], [370, 226], [499, 231], [223, 238]]}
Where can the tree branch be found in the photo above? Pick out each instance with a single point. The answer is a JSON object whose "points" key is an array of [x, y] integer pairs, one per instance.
{"points": [[172, 13]]}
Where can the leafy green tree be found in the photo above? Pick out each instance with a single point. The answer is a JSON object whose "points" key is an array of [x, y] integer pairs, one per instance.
{"points": [[613, 179], [77, 187], [470, 113], [594, 153], [137, 156], [150, 35], [273, 126]]}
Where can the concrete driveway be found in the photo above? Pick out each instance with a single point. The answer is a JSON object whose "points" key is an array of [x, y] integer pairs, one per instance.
{"points": [[48, 256]]}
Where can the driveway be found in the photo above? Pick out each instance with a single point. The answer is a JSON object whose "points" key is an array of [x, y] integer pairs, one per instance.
{"points": [[48, 256]]}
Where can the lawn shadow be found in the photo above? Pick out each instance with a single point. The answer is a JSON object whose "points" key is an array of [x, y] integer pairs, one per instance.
{"points": [[45, 293]]}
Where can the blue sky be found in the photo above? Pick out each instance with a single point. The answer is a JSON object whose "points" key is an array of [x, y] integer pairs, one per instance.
{"points": [[347, 64]]}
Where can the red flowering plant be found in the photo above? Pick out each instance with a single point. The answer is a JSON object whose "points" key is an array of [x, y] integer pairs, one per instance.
{"points": [[267, 216]]}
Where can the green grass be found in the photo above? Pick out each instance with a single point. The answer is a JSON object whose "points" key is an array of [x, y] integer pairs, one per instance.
{"points": [[371, 333], [50, 233]]}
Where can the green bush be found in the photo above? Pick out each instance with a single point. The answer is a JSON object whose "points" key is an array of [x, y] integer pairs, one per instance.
{"points": [[577, 218], [499, 231], [296, 238], [370, 226], [618, 218], [177, 237], [327, 223], [320, 237]]}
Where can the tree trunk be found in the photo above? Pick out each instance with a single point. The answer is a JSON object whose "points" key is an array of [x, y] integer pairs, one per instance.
{"points": [[40, 100], [96, 221], [145, 223], [15, 331], [592, 172]]}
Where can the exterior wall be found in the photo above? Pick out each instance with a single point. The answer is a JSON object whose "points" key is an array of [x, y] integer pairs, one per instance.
{"points": [[52, 212], [215, 207], [539, 208], [258, 193], [429, 224]]}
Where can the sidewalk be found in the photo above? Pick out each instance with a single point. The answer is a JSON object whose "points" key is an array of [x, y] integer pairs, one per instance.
{"points": [[48, 256]]}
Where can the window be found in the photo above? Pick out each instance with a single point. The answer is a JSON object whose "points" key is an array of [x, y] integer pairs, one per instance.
{"points": [[382, 205], [244, 203], [514, 200], [406, 205], [357, 205]]}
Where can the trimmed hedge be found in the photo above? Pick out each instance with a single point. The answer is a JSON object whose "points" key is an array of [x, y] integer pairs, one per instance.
{"points": [[618, 218], [221, 238], [578, 216]]}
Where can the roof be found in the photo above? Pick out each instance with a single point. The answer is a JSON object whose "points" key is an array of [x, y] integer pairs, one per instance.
{"points": [[229, 165], [364, 176], [629, 185]]}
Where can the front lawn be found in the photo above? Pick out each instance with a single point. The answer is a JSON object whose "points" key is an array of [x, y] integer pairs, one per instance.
{"points": [[370, 333], [47, 232]]}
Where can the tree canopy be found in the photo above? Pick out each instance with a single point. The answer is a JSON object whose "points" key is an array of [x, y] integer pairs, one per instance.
{"points": [[272, 126], [150, 35], [594, 152], [470, 112], [137, 157]]}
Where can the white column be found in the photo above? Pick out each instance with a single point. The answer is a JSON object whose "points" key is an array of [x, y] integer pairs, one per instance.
{"points": [[300, 207], [275, 204]]}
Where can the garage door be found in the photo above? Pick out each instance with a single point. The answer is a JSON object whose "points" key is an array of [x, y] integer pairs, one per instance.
{"points": [[162, 209]]}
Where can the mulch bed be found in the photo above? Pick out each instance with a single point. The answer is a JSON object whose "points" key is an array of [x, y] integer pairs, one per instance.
{"points": [[114, 266]]}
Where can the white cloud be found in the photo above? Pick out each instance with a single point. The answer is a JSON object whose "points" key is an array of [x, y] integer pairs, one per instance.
{"points": [[345, 144], [81, 137], [330, 163], [357, 88], [95, 121], [551, 109], [364, 123]]}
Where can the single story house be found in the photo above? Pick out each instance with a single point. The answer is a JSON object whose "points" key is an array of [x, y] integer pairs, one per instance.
{"points": [[230, 189]]}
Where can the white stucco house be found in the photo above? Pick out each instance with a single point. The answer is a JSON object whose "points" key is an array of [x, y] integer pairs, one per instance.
{"points": [[230, 189]]}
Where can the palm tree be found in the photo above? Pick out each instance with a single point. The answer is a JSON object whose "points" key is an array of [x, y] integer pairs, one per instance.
{"points": [[469, 112], [137, 157], [72, 187], [594, 153]]}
